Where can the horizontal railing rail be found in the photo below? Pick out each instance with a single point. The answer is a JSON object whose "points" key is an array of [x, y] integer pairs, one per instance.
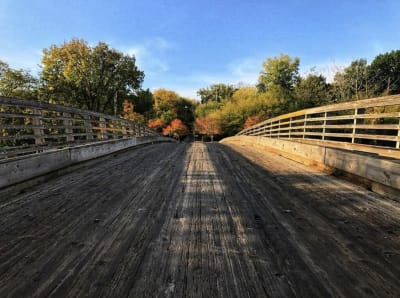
{"points": [[373, 122], [31, 126]]}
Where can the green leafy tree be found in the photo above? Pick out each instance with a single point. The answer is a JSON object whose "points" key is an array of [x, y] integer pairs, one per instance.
{"points": [[217, 92], [281, 89], [143, 101], [352, 83], [311, 91], [279, 77], [385, 73], [96, 78], [340, 92], [3, 67], [204, 109], [232, 114], [185, 110], [356, 77], [17, 83], [231, 119]]}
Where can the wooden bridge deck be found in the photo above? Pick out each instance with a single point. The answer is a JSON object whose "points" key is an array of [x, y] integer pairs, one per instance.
{"points": [[198, 220]]}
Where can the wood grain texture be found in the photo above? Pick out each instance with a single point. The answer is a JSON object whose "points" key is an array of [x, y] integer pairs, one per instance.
{"points": [[198, 220]]}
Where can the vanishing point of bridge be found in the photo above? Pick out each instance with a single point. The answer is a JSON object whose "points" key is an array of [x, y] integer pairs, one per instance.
{"points": [[240, 218]]}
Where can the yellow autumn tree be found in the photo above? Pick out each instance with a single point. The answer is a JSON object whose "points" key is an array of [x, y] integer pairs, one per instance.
{"points": [[129, 113], [165, 104]]}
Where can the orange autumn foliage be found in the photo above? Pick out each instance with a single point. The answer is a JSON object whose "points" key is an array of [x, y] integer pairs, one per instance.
{"points": [[157, 124], [207, 126], [176, 127], [252, 121], [129, 113]]}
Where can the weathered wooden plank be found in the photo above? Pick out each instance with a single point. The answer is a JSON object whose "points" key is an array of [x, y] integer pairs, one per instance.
{"points": [[31, 126], [378, 116], [374, 168], [351, 126], [208, 221], [51, 107], [377, 137], [43, 136]]}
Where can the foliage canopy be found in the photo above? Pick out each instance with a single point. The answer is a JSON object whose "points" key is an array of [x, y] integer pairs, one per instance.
{"points": [[96, 78], [103, 79]]}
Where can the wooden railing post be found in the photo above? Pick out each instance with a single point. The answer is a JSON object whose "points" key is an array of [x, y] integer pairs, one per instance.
{"points": [[55, 126], [270, 130], [279, 128], [124, 133], [398, 136], [102, 125], [68, 127], [114, 124], [38, 127], [324, 126], [88, 127], [132, 130], [304, 126], [353, 134]]}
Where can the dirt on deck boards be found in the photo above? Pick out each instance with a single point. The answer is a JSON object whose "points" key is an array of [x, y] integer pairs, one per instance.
{"points": [[198, 220]]}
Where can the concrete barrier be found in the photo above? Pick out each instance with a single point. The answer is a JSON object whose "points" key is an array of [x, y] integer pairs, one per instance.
{"points": [[16, 170], [383, 173]]}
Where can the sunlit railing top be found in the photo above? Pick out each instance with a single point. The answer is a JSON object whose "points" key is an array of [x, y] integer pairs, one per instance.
{"points": [[32, 126], [373, 121]]}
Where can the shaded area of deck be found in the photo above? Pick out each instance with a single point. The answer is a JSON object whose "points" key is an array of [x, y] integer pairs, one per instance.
{"points": [[194, 220]]}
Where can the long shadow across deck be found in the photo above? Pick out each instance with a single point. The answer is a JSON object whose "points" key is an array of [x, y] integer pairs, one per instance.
{"points": [[174, 220], [347, 236]]}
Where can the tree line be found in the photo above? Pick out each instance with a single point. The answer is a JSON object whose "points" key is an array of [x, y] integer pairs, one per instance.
{"points": [[225, 110], [103, 79]]}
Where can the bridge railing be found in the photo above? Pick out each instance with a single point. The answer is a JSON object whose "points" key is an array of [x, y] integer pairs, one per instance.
{"points": [[31, 126], [373, 121]]}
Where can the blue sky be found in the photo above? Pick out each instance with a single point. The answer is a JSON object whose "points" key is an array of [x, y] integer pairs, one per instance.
{"points": [[187, 45]]}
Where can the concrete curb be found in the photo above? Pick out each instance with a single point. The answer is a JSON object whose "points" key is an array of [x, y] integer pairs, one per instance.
{"points": [[382, 172], [23, 168]]}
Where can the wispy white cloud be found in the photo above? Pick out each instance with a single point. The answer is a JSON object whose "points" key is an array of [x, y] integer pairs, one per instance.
{"points": [[326, 68], [151, 55], [241, 71], [23, 59], [187, 91], [245, 71]]}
